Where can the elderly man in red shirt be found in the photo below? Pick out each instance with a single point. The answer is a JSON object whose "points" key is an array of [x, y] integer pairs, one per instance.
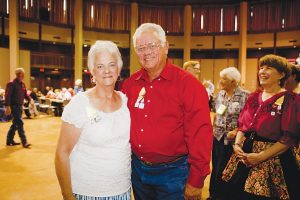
{"points": [[14, 99], [171, 131]]}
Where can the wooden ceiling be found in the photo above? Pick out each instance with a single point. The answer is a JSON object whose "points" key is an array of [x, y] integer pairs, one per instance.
{"points": [[191, 2]]}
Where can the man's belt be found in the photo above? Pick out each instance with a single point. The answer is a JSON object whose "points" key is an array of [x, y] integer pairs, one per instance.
{"points": [[161, 163]]}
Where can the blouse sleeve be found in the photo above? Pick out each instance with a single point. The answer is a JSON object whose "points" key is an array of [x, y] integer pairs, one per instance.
{"points": [[123, 97], [74, 113], [290, 120]]}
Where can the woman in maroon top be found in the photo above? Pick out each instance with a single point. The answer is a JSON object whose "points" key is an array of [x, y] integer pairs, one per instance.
{"points": [[265, 163]]}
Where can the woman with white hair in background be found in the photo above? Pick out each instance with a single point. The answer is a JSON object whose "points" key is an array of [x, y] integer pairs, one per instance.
{"points": [[228, 105], [93, 153], [78, 86]]}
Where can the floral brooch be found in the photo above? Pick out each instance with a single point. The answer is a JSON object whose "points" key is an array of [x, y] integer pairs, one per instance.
{"points": [[93, 115]]}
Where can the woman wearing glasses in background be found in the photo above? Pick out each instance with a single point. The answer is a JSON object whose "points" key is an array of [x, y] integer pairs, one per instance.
{"points": [[193, 67]]}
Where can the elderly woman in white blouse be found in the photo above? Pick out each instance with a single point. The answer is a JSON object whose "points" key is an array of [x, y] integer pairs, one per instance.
{"points": [[93, 152]]}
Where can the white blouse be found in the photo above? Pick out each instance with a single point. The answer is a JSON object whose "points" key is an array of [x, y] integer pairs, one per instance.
{"points": [[100, 162]]}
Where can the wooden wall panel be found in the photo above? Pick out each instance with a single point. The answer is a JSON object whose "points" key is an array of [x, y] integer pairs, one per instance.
{"points": [[267, 40], [56, 34], [288, 39], [201, 42], [121, 39], [28, 30], [227, 42]]}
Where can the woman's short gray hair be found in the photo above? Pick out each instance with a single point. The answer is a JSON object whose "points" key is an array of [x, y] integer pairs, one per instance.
{"points": [[101, 45], [150, 26], [231, 73]]}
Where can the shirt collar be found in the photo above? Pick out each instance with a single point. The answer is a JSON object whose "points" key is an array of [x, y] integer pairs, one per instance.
{"points": [[17, 81], [165, 74]]}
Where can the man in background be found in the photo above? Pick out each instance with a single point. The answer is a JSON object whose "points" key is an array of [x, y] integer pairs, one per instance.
{"points": [[14, 99]]}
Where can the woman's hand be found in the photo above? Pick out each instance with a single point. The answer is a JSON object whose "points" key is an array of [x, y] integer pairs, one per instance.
{"points": [[252, 159], [237, 148]]}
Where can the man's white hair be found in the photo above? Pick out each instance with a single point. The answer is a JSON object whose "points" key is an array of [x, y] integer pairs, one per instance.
{"points": [[101, 45], [161, 35], [19, 70], [231, 73]]}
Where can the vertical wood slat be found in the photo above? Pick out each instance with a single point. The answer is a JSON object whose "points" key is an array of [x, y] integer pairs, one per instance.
{"points": [[170, 18], [3, 6], [30, 12], [107, 16], [212, 19]]}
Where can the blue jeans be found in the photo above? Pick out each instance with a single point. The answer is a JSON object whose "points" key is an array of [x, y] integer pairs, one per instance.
{"points": [[16, 112], [161, 182]]}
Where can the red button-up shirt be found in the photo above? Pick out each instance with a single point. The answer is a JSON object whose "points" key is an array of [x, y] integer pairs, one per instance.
{"points": [[170, 119], [15, 93]]}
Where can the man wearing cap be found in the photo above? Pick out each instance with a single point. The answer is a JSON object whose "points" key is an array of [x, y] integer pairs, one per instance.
{"points": [[14, 98]]}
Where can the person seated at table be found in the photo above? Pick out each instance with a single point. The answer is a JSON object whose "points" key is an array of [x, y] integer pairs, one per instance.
{"points": [[39, 93], [50, 94], [64, 94], [71, 91], [33, 95]]}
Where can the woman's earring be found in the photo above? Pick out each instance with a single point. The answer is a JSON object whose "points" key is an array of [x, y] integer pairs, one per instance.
{"points": [[93, 80]]}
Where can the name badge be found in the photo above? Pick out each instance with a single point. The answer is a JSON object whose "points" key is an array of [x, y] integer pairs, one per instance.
{"points": [[140, 103], [221, 110]]}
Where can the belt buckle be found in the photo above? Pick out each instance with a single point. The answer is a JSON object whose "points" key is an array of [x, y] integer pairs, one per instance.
{"points": [[147, 163]]}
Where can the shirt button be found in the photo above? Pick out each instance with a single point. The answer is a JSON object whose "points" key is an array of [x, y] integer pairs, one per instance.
{"points": [[146, 115], [142, 157], [151, 86], [255, 115], [251, 124], [142, 130], [159, 79], [140, 145], [148, 101]]}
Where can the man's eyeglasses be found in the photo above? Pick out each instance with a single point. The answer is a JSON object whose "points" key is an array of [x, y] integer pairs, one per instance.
{"points": [[150, 46]]}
